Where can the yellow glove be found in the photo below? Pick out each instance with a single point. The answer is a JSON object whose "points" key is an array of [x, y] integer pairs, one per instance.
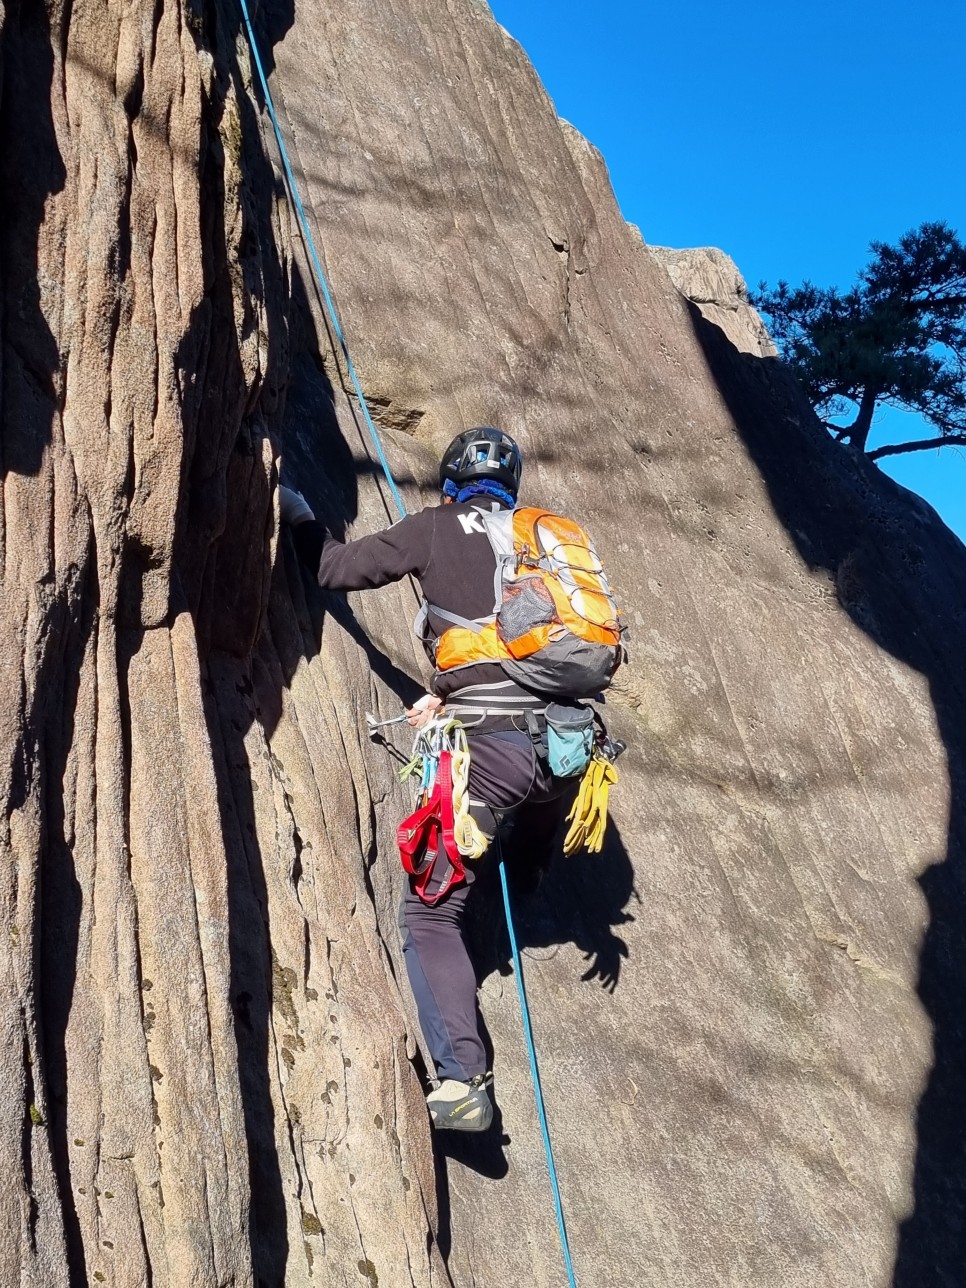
{"points": [[588, 816]]}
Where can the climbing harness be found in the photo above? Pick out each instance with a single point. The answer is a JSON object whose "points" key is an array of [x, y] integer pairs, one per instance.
{"points": [[340, 337]]}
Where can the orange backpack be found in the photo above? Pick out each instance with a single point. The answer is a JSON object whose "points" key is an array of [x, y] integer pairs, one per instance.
{"points": [[555, 626]]}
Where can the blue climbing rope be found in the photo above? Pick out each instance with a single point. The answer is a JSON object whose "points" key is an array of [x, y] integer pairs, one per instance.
{"points": [[317, 263], [535, 1074], [374, 434]]}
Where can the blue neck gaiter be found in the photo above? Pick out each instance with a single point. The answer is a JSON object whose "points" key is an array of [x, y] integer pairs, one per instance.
{"points": [[482, 487]]}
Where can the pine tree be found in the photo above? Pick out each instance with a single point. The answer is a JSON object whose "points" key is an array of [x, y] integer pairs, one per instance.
{"points": [[897, 338]]}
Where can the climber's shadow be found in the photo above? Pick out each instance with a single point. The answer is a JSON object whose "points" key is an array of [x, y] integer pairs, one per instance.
{"points": [[481, 1152], [580, 900], [316, 460], [317, 610]]}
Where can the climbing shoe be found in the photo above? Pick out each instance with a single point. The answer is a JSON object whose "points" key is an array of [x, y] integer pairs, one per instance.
{"points": [[461, 1106]]}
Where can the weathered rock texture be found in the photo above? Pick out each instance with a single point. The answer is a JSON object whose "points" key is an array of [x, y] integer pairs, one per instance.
{"points": [[749, 1009], [709, 278]]}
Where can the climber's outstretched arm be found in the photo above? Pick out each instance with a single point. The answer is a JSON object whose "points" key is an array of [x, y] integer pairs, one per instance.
{"points": [[363, 564]]}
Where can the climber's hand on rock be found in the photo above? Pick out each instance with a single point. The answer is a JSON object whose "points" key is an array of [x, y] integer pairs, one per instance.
{"points": [[293, 506], [421, 712]]}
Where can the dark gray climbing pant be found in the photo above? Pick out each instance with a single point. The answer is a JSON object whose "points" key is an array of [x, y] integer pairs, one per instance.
{"points": [[507, 780]]}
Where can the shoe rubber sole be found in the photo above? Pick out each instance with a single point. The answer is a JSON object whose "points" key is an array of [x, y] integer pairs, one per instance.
{"points": [[472, 1111]]}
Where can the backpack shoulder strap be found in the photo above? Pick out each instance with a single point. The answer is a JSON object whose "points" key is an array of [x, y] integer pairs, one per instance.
{"points": [[500, 526]]}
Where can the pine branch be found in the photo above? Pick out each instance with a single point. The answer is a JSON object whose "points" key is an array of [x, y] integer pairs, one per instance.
{"points": [[893, 449]]}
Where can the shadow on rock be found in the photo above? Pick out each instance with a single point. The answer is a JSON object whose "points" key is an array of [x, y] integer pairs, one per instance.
{"points": [[225, 577], [31, 171], [579, 901], [244, 686], [72, 633], [901, 576]]}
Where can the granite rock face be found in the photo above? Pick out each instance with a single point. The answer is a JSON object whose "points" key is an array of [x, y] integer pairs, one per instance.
{"points": [[710, 278], [748, 1009]]}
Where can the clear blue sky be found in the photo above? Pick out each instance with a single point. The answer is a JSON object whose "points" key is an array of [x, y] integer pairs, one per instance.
{"points": [[789, 135]]}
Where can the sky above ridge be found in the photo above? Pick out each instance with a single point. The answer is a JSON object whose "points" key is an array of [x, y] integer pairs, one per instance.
{"points": [[790, 136]]}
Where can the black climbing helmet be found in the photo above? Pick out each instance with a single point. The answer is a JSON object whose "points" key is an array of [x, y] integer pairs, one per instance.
{"points": [[482, 453]]}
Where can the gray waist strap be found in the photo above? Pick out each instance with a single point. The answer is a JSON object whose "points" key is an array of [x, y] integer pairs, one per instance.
{"points": [[500, 701], [470, 713]]}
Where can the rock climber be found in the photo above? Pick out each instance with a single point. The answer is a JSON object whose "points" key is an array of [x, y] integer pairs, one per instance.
{"points": [[445, 547]]}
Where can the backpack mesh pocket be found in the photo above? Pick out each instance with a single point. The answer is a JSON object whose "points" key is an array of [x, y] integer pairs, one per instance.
{"points": [[526, 603]]}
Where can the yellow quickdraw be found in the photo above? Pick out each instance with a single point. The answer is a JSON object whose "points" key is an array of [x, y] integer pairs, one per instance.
{"points": [[470, 841], [588, 816]]}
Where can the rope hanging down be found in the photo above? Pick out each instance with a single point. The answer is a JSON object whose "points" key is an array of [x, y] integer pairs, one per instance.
{"points": [[535, 1075], [374, 434], [317, 263]]}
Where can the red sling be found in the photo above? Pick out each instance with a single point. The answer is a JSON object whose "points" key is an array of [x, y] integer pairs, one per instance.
{"points": [[429, 831]]}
